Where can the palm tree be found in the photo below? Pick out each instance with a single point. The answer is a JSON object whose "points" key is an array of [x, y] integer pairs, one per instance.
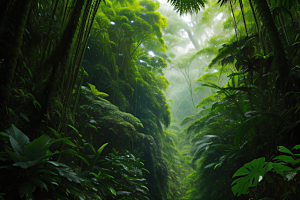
{"points": [[186, 6]]}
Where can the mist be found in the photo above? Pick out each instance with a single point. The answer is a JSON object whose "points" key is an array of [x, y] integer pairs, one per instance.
{"points": [[185, 36]]}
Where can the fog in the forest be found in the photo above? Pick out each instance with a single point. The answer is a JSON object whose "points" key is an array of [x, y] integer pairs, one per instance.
{"points": [[185, 36]]}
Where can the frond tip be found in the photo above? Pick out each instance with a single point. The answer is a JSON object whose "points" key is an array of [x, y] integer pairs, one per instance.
{"points": [[187, 6]]}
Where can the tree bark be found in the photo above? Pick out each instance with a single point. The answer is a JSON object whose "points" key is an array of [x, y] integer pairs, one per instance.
{"points": [[59, 54], [257, 26], [235, 26], [279, 53], [11, 37], [243, 14]]}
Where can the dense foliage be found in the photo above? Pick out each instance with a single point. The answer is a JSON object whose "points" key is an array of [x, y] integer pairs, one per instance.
{"points": [[84, 111], [76, 112], [255, 111]]}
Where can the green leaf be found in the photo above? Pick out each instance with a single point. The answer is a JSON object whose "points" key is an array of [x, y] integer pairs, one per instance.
{"points": [[112, 190], [73, 152], [96, 92], [145, 170], [34, 100], [86, 73], [280, 168], [69, 142], [24, 117], [15, 157], [1, 196], [284, 150], [65, 171], [37, 148], [65, 140], [210, 165], [40, 184], [286, 159], [90, 145], [98, 154], [92, 126], [28, 68], [18, 139], [55, 132], [25, 190], [4, 135], [73, 128], [26, 164], [296, 147], [251, 173]]}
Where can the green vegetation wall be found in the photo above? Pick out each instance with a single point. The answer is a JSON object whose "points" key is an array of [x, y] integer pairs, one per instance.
{"points": [[124, 59], [82, 93], [254, 111]]}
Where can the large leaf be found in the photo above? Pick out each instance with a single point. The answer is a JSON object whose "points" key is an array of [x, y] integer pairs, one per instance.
{"points": [[26, 164], [15, 157], [64, 171], [25, 190], [70, 175], [18, 139], [40, 184], [251, 173], [37, 148], [287, 159], [280, 168]]}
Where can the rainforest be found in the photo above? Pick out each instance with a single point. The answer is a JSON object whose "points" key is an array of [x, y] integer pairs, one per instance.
{"points": [[149, 99]]}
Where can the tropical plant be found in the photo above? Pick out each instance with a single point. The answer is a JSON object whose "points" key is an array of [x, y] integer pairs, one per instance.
{"points": [[30, 171], [283, 170]]}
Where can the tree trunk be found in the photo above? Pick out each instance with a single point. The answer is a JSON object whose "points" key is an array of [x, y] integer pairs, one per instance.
{"points": [[243, 14], [195, 43], [11, 37], [257, 26], [279, 53], [59, 54], [235, 26]]}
